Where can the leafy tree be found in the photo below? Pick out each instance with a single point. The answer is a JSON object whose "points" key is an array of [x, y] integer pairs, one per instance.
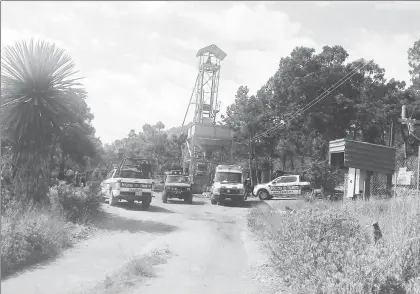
{"points": [[364, 107], [414, 63]]}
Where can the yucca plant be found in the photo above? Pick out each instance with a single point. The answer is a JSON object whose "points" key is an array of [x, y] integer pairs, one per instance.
{"points": [[40, 97]]}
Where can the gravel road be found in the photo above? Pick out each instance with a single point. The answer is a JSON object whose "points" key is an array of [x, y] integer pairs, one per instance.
{"points": [[209, 250]]}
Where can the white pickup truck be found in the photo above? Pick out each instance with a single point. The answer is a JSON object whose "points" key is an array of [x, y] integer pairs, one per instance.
{"points": [[130, 185], [289, 186]]}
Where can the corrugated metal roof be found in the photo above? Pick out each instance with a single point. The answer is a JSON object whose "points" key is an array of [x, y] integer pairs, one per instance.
{"points": [[213, 49], [365, 156]]}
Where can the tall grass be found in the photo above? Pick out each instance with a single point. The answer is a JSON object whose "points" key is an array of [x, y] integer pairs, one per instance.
{"points": [[34, 233], [330, 248]]}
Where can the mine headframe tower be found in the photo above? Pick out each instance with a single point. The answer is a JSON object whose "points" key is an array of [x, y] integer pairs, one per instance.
{"points": [[204, 137]]}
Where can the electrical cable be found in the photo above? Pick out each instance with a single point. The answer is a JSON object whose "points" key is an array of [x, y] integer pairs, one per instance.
{"points": [[316, 100]]}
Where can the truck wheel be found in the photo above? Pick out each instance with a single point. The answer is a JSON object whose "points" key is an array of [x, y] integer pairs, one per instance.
{"points": [[111, 200], [212, 201], [188, 199], [221, 200], [263, 194], [165, 197], [145, 204]]}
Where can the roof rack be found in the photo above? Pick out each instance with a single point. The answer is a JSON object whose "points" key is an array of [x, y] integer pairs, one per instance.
{"points": [[176, 173]]}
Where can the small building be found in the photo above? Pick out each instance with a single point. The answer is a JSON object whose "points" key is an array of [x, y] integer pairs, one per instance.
{"points": [[360, 161]]}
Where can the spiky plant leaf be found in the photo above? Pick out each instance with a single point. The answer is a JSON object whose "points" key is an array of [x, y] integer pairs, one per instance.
{"points": [[40, 95]]}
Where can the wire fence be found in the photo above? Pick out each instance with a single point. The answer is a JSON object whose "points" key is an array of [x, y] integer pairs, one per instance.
{"points": [[404, 182], [406, 177]]}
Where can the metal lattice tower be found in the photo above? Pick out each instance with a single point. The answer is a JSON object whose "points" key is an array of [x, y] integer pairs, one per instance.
{"points": [[207, 84], [204, 136]]}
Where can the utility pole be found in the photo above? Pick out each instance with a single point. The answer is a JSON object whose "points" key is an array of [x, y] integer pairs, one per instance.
{"points": [[391, 142], [1, 169], [410, 123]]}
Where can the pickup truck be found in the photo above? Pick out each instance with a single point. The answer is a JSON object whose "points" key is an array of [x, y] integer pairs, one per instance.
{"points": [[288, 186], [129, 185]]}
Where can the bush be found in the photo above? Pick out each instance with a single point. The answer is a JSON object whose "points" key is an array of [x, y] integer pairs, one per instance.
{"points": [[31, 234], [332, 250], [76, 203]]}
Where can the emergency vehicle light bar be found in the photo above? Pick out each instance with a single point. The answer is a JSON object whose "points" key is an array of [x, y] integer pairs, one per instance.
{"points": [[176, 172], [231, 167]]}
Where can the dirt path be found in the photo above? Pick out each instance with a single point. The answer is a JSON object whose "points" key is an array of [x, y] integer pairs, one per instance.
{"points": [[211, 252]]}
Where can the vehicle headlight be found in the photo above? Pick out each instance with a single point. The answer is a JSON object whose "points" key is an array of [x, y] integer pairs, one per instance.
{"points": [[188, 189], [216, 191]]}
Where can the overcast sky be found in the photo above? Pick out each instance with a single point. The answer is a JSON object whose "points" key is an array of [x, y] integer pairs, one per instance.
{"points": [[138, 58]]}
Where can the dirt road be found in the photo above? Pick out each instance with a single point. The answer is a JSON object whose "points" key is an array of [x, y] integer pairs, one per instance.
{"points": [[208, 249]]}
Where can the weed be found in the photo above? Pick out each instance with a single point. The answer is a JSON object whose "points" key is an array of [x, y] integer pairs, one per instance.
{"points": [[330, 248]]}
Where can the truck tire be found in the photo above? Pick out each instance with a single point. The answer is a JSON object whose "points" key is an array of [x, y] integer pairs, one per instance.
{"points": [[263, 194], [145, 204], [164, 197], [188, 198], [212, 201], [221, 201]]}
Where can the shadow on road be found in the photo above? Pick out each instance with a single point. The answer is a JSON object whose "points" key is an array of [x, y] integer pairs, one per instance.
{"points": [[248, 204], [138, 207], [181, 202], [112, 222]]}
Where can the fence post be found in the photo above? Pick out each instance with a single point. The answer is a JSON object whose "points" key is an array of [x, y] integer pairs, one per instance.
{"points": [[395, 182], [418, 172]]}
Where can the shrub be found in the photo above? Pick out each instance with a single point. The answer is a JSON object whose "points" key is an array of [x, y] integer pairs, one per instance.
{"points": [[76, 203], [31, 234], [332, 250]]}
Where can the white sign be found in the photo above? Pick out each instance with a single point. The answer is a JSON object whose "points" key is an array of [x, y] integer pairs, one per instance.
{"points": [[404, 177]]}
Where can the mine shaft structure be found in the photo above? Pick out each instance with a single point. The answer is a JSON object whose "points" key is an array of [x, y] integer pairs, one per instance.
{"points": [[207, 142]]}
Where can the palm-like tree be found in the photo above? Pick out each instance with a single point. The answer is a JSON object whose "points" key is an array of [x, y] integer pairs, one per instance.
{"points": [[40, 98]]}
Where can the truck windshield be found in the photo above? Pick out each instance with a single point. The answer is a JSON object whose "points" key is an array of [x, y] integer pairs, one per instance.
{"points": [[134, 174], [178, 179], [228, 177]]}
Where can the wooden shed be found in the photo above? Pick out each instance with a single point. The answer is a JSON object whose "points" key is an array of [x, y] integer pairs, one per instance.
{"points": [[363, 156], [360, 161]]}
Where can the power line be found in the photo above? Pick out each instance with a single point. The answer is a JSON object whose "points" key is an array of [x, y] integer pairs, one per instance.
{"points": [[316, 100]]}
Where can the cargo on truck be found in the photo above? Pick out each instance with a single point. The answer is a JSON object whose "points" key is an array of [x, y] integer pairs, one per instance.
{"points": [[131, 181]]}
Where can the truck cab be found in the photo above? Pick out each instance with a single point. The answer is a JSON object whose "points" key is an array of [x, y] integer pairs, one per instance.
{"points": [[129, 184], [227, 184], [177, 185], [287, 186]]}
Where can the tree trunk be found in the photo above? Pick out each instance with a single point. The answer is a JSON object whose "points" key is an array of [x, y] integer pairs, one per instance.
{"points": [[256, 168], [250, 162], [284, 158], [292, 163]]}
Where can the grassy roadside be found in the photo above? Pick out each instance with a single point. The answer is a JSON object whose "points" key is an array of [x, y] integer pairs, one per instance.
{"points": [[330, 248], [31, 234]]}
